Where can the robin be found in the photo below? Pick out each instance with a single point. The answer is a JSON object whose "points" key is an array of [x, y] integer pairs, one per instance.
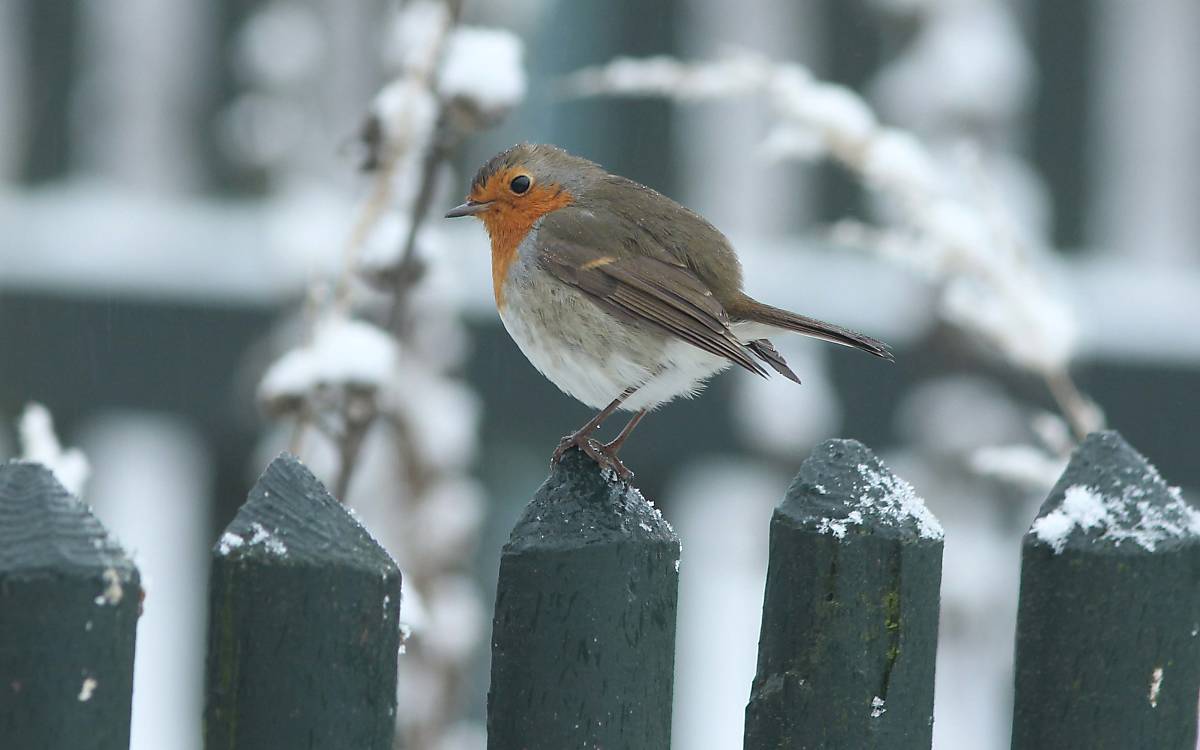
{"points": [[620, 296]]}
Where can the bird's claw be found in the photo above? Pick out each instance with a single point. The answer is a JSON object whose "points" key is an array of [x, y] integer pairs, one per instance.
{"points": [[599, 452]]}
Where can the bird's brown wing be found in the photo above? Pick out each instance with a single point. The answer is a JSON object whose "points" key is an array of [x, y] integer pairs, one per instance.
{"points": [[649, 292]]}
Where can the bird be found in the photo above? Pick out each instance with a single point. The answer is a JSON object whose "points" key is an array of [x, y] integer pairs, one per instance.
{"points": [[621, 297]]}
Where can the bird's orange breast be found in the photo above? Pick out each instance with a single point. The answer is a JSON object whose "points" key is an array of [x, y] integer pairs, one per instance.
{"points": [[509, 222]]}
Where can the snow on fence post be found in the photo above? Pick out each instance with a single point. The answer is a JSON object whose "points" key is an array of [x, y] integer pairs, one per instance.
{"points": [[303, 634], [1108, 626], [583, 640], [850, 615], [69, 603]]}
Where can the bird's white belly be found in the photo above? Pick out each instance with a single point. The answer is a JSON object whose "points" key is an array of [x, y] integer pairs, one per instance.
{"points": [[592, 356]]}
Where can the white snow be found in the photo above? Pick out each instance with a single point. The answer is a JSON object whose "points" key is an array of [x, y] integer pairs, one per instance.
{"points": [[838, 526], [483, 66], [343, 352], [791, 142], [878, 707], [442, 411], [383, 244], [666, 76], [228, 542], [832, 526], [272, 543], [975, 53], [1016, 315], [39, 444], [86, 689], [1052, 431], [408, 113], [416, 34], [836, 113], [899, 502], [896, 160], [1023, 465], [962, 83], [1156, 678], [1087, 508], [113, 591]]}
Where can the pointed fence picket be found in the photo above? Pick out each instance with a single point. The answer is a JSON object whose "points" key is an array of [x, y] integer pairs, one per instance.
{"points": [[1108, 626], [69, 603], [304, 631], [583, 641], [850, 617]]}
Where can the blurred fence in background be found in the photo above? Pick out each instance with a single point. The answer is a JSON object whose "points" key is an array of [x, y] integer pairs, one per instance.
{"points": [[304, 616]]}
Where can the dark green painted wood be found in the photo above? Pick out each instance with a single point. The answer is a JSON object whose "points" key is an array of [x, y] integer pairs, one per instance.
{"points": [[583, 641], [1102, 615], [69, 603], [303, 624], [850, 616]]}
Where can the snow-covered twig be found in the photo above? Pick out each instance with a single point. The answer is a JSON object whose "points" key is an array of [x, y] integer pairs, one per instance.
{"points": [[40, 444], [1026, 466]]}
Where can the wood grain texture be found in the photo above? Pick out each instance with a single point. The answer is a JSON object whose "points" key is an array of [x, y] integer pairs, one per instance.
{"points": [[583, 640], [1108, 631], [849, 631], [69, 603], [304, 623]]}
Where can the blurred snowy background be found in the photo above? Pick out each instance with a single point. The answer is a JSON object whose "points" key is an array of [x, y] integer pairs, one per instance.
{"points": [[196, 272]]}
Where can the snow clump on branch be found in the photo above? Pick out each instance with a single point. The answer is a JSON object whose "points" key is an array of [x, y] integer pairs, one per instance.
{"points": [[344, 353], [483, 69]]}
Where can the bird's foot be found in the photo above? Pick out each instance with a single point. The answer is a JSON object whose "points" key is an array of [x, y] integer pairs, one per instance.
{"points": [[604, 454]]}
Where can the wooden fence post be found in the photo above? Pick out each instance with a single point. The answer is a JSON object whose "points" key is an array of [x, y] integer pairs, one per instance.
{"points": [[1108, 629], [850, 615], [69, 603], [303, 624], [583, 641]]}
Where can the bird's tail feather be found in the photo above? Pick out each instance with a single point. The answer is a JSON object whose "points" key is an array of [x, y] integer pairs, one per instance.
{"points": [[748, 309], [766, 351]]}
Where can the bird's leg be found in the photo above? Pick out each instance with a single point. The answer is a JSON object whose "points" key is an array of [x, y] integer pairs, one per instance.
{"points": [[577, 438], [582, 439], [620, 439]]}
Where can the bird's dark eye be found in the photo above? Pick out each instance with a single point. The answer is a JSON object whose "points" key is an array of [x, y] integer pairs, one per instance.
{"points": [[519, 184]]}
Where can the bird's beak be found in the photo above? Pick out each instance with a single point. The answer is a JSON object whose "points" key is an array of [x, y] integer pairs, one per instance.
{"points": [[470, 208]]}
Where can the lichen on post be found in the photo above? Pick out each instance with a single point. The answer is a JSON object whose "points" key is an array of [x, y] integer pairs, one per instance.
{"points": [[583, 640], [1108, 626], [850, 615]]}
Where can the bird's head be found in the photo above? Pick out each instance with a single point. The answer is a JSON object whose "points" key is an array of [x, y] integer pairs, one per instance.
{"points": [[517, 187]]}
